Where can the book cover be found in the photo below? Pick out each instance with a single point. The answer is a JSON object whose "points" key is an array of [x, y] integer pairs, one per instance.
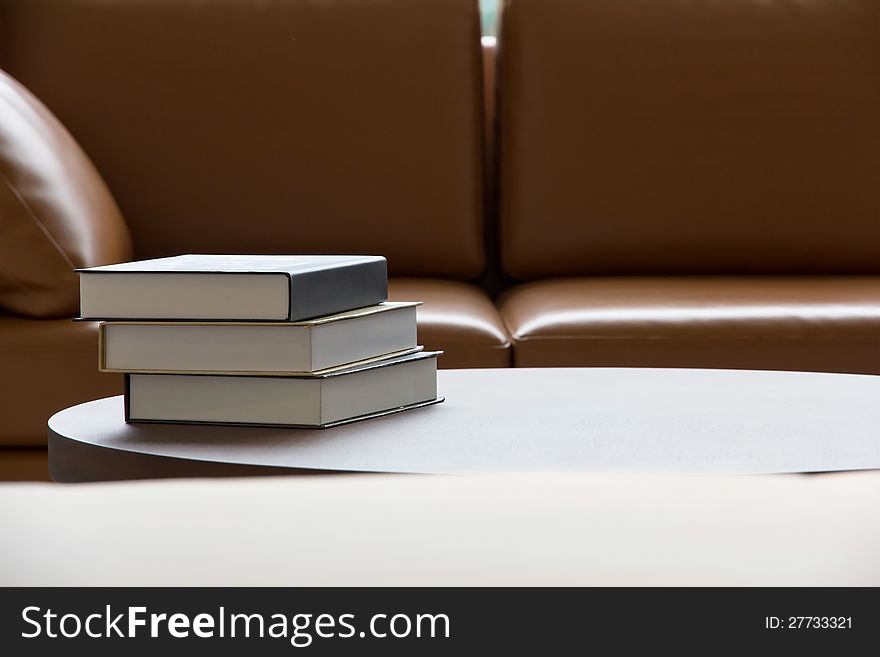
{"points": [[282, 348], [347, 395]]}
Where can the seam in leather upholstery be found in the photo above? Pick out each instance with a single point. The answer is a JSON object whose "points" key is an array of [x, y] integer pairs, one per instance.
{"points": [[36, 220]]}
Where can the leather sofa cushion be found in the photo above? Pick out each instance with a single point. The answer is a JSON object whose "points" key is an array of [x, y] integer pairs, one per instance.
{"points": [[48, 365], [56, 214], [279, 126], [24, 464], [786, 323], [648, 137], [457, 318]]}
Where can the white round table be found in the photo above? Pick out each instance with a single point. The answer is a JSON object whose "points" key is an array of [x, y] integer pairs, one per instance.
{"points": [[669, 420]]}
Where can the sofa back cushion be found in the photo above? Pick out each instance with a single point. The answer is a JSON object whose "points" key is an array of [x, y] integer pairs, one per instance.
{"points": [[690, 136], [56, 213], [279, 126]]}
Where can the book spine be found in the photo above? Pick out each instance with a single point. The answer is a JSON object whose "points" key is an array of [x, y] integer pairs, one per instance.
{"points": [[126, 396], [102, 347], [329, 291]]}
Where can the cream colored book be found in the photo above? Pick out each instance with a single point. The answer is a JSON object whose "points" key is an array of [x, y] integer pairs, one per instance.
{"points": [[347, 395], [283, 348]]}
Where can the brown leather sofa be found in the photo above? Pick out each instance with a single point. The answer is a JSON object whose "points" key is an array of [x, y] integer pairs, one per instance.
{"points": [[663, 183], [273, 127]]}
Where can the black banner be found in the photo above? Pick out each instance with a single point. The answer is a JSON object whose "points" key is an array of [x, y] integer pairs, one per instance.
{"points": [[278, 621]]}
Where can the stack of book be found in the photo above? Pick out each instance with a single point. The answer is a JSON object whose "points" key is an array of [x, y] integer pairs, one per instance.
{"points": [[306, 341]]}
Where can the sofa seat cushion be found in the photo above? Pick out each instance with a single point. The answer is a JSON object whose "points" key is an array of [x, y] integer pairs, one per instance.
{"points": [[24, 464], [47, 365], [785, 323], [457, 318]]}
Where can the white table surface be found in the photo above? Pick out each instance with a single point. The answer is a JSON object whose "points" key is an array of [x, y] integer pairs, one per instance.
{"points": [[583, 419]]}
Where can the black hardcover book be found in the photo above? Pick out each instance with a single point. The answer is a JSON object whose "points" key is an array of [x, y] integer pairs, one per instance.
{"points": [[281, 288]]}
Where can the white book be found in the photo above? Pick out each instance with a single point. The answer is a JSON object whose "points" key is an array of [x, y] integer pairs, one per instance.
{"points": [[308, 401], [233, 287], [259, 348]]}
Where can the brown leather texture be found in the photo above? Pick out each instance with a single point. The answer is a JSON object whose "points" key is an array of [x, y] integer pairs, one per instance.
{"points": [[24, 464], [56, 213], [697, 136], [457, 318], [284, 126], [48, 365], [781, 323]]}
